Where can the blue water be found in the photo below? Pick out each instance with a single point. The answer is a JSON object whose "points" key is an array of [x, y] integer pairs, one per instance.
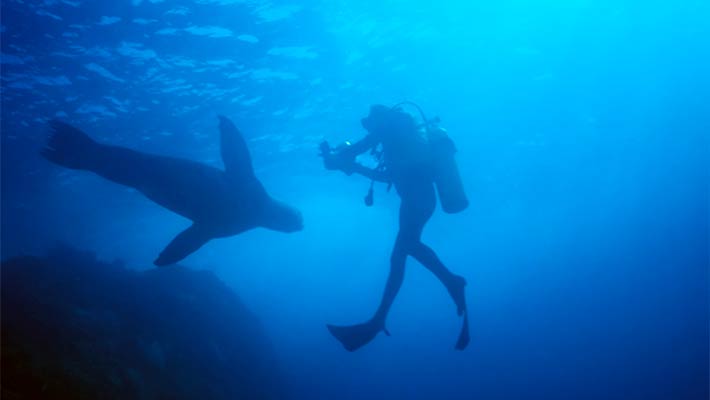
{"points": [[582, 129]]}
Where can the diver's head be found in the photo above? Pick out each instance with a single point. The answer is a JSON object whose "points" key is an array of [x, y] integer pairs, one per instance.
{"points": [[377, 119], [281, 217], [385, 120]]}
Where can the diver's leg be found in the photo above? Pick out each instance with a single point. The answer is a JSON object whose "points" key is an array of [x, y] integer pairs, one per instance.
{"points": [[428, 258], [416, 208], [454, 284], [421, 203], [394, 280], [355, 336]]}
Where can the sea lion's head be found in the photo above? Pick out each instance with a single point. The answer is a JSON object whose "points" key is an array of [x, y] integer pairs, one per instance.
{"points": [[282, 217]]}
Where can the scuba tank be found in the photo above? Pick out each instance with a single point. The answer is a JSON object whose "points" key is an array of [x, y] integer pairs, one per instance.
{"points": [[447, 179], [446, 172]]}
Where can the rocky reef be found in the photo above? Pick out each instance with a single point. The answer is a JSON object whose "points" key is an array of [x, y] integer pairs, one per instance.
{"points": [[75, 327]]}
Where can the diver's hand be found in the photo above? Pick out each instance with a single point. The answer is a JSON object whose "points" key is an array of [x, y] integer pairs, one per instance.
{"points": [[329, 159], [334, 160], [348, 167], [329, 162]]}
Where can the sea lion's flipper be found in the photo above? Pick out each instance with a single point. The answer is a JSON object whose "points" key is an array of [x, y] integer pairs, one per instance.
{"points": [[184, 244], [69, 147], [235, 153]]}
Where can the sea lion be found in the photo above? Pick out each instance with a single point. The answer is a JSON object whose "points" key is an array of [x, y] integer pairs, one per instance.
{"points": [[220, 203]]}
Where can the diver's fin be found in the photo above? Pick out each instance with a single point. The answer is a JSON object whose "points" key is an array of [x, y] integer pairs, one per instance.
{"points": [[235, 153], [464, 337], [69, 147], [355, 336], [184, 244]]}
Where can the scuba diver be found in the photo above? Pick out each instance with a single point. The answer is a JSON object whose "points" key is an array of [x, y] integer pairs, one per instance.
{"points": [[418, 159]]}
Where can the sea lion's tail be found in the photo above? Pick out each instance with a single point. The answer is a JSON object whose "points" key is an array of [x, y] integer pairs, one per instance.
{"points": [[69, 147]]}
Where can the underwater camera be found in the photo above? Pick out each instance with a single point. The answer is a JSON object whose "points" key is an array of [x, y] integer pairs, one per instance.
{"points": [[337, 159], [334, 158]]}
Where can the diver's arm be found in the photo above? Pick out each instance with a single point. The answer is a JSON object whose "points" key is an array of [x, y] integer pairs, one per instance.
{"points": [[361, 146], [370, 173], [343, 156]]}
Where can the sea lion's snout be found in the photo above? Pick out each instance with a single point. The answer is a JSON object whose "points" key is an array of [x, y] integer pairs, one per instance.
{"points": [[299, 221], [293, 222], [283, 217]]}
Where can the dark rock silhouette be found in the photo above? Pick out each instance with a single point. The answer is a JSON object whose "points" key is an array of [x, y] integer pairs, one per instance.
{"points": [[74, 327]]}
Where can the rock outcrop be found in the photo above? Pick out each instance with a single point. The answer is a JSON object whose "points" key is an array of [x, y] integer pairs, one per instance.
{"points": [[75, 327]]}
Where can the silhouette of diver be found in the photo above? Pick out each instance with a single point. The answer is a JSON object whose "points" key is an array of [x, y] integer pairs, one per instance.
{"points": [[220, 203], [415, 159]]}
